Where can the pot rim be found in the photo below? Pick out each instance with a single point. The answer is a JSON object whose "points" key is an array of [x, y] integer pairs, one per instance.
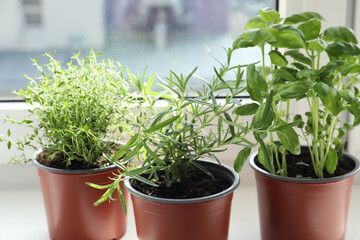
{"points": [[69, 171], [306, 180], [214, 164]]}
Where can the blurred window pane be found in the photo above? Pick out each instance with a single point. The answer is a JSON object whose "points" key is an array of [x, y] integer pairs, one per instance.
{"points": [[161, 34]]}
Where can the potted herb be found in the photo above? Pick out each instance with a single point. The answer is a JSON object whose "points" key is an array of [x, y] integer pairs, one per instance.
{"points": [[177, 194], [72, 108], [303, 192]]}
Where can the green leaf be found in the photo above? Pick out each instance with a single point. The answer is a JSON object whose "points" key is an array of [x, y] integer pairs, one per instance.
{"points": [[149, 83], [346, 94], [298, 56], [160, 115], [246, 109], [302, 17], [294, 89], [329, 98], [144, 180], [339, 49], [288, 74], [231, 127], [355, 68], [318, 45], [310, 29], [331, 66], [152, 154], [241, 159], [123, 149], [331, 161], [340, 33], [290, 140], [9, 144], [133, 152], [265, 154], [277, 58], [304, 74], [122, 200], [255, 22], [265, 114], [203, 169], [107, 195], [287, 36], [241, 42], [288, 125], [256, 84], [257, 36], [98, 186], [355, 110], [297, 118], [269, 15], [161, 125]]}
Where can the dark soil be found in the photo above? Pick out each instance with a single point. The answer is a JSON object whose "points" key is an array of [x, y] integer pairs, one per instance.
{"points": [[199, 185], [301, 166], [55, 160]]}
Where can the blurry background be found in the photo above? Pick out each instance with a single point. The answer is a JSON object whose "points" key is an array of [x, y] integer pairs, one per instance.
{"points": [[160, 34]]}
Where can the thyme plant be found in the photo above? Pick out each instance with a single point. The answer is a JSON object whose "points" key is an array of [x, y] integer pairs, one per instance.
{"points": [[321, 67], [73, 107]]}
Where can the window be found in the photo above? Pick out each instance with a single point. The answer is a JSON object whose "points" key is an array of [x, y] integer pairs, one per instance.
{"points": [[32, 13], [160, 34]]}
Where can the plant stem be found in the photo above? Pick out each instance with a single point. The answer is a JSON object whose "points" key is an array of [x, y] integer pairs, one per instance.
{"points": [[315, 115]]}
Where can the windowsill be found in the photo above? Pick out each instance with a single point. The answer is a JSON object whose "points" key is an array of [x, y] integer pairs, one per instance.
{"points": [[23, 215]]}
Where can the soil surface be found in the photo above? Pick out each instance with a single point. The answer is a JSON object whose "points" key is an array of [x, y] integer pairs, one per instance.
{"points": [[300, 166], [56, 160], [199, 185]]}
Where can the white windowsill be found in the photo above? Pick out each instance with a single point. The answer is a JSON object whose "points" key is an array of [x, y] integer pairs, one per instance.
{"points": [[23, 215]]}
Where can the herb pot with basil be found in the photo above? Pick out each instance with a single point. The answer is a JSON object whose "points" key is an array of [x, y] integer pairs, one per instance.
{"points": [[303, 192]]}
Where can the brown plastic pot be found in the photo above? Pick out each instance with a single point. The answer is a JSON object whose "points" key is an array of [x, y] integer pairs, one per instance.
{"points": [[299, 209], [69, 204], [191, 219]]}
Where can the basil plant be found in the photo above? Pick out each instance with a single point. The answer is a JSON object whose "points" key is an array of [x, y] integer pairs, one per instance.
{"points": [[307, 63]]}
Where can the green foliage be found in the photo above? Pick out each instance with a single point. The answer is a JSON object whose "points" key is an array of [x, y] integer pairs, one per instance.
{"points": [[296, 46], [180, 125], [74, 106]]}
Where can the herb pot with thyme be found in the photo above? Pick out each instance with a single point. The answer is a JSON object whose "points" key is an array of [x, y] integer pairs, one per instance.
{"points": [[72, 109]]}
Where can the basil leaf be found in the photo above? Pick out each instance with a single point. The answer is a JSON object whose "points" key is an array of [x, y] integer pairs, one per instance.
{"points": [[294, 89], [255, 22], [241, 42], [288, 74], [340, 33], [302, 17], [246, 109], [329, 98], [310, 29], [290, 140], [269, 15], [331, 161], [256, 84], [241, 159], [277, 58], [298, 56], [339, 49]]}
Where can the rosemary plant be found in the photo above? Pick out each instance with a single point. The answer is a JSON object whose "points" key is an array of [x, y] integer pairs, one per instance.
{"points": [[321, 67], [73, 108], [179, 126]]}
